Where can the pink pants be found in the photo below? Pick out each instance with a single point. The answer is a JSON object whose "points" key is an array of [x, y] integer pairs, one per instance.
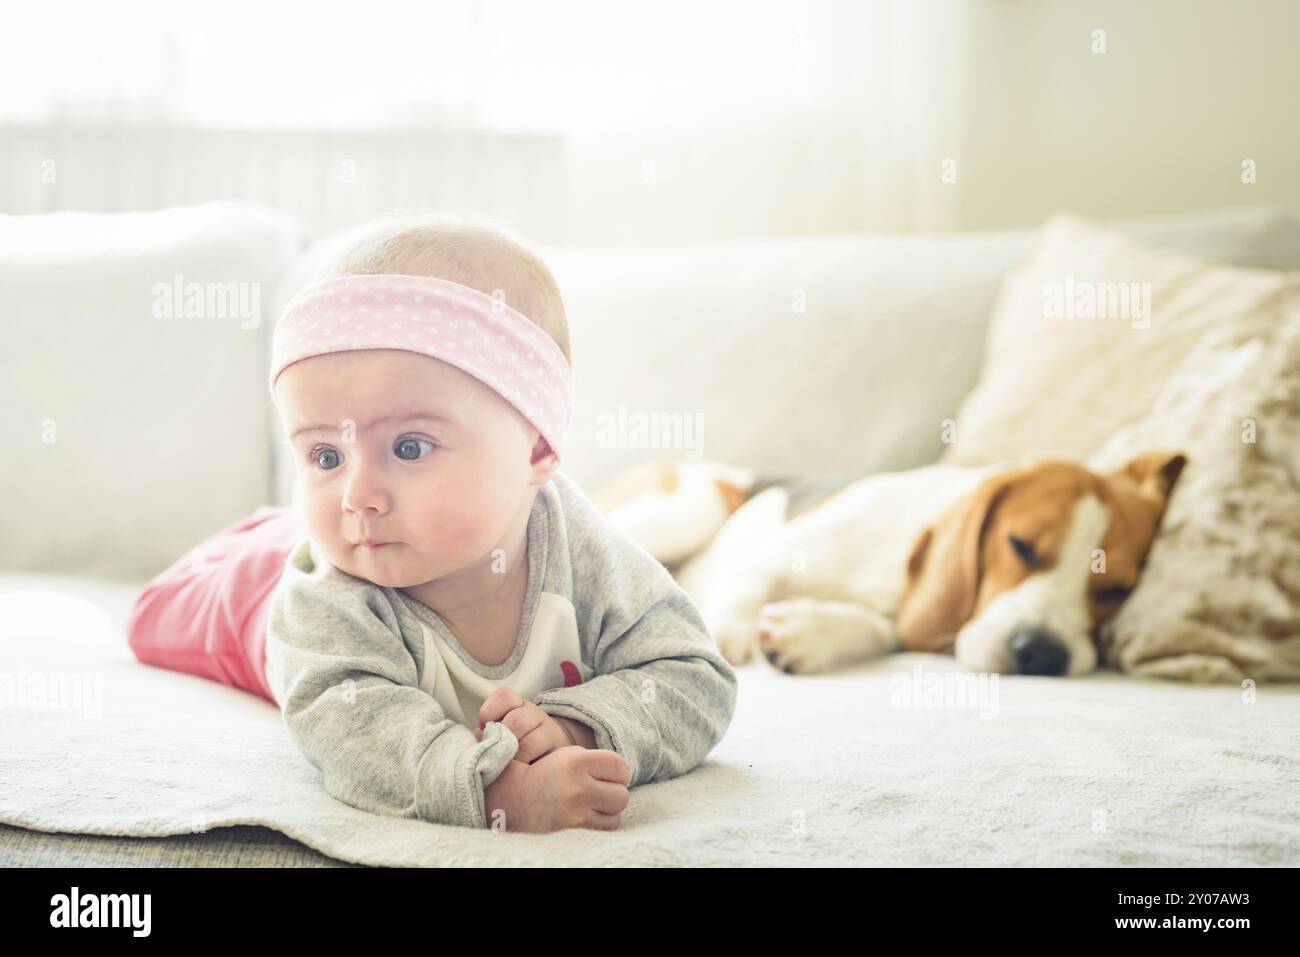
{"points": [[207, 614]]}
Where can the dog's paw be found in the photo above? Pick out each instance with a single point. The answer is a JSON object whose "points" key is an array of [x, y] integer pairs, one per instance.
{"points": [[807, 636], [791, 635], [737, 640]]}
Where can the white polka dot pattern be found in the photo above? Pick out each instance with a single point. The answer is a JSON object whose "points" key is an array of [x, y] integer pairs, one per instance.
{"points": [[480, 335]]}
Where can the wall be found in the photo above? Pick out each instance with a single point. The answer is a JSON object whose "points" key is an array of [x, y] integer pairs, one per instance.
{"points": [[1159, 123]]}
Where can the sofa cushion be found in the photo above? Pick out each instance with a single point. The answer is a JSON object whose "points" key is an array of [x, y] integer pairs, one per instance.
{"points": [[135, 381], [1219, 597], [1086, 331], [827, 357]]}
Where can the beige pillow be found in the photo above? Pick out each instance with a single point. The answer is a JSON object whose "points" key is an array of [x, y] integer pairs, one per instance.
{"points": [[1084, 335], [1219, 597]]}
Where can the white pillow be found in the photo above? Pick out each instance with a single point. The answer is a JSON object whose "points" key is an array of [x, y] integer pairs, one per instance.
{"points": [[129, 437], [1061, 374], [1219, 597]]}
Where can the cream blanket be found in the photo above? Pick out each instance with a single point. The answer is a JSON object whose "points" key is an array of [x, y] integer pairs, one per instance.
{"points": [[887, 764]]}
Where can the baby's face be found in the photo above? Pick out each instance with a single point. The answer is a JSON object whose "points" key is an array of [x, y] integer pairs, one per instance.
{"points": [[440, 481]]}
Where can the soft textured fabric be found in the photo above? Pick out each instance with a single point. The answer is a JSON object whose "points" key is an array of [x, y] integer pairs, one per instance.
{"points": [[238, 846], [1075, 348], [207, 614], [825, 770], [356, 670], [479, 334], [1219, 597], [134, 382]]}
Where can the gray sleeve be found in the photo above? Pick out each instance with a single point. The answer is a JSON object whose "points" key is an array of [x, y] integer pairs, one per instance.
{"points": [[348, 690], [663, 695]]}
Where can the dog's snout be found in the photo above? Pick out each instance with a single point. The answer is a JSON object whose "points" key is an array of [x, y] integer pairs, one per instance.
{"points": [[1039, 652]]}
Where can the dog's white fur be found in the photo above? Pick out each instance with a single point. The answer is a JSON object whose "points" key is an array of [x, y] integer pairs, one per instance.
{"points": [[852, 551], [822, 590]]}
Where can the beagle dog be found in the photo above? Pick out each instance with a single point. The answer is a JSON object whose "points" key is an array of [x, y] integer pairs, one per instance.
{"points": [[1015, 568]]}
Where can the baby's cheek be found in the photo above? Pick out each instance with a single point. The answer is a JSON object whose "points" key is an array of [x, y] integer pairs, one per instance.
{"points": [[320, 520], [461, 518], [472, 534], [454, 529]]}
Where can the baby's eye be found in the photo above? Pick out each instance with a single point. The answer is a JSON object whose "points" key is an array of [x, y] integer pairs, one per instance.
{"points": [[315, 457], [412, 445]]}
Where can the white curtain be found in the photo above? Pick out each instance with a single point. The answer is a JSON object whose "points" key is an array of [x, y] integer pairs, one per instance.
{"points": [[669, 122]]}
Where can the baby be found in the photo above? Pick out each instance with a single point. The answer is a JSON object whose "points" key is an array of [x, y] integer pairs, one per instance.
{"points": [[462, 637]]}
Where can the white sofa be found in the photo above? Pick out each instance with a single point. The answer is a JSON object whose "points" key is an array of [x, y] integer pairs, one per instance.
{"points": [[130, 437]]}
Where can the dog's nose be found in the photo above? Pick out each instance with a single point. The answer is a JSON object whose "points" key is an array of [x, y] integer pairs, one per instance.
{"points": [[1039, 652]]}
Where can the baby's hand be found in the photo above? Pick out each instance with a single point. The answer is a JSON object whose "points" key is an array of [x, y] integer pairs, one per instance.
{"points": [[539, 734], [570, 787]]}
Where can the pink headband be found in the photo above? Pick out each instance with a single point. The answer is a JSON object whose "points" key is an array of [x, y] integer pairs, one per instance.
{"points": [[469, 329]]}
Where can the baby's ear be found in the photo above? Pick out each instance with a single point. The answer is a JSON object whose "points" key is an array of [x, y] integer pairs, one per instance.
{"points": [[544, 461]]}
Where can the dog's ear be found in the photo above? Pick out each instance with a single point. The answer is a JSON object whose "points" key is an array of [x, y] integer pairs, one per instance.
{"points": [[1154, 473], [945, 568]]}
